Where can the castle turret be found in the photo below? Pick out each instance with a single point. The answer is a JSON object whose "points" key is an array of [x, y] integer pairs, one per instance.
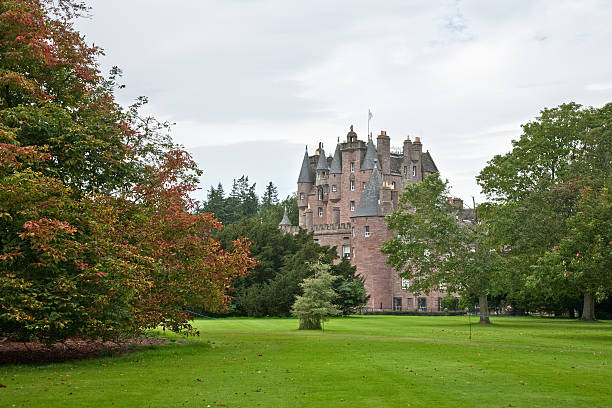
{"points": [[305, 184], [370, 233], [322, 169], [370, 156], [335, 175], [369, 205], [307, 219]]}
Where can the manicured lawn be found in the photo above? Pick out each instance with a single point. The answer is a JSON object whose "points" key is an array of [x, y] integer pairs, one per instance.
{"points": [[376, 361]]}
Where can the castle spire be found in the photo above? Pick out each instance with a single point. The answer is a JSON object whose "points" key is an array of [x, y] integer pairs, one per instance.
{"points": [[322, 164], [306, 172], [369, 205], [285, 221], [370, 156], [336, 164]]}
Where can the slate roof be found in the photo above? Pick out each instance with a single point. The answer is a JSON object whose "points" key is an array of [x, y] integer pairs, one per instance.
{"points": [[285, 220], [322, 164], [428, 164], [369, 203], [336, 165], [370, 156], [306, 171], [396, 163]]}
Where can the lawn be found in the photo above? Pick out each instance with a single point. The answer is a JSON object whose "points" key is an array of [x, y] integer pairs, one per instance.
{"points": [[374, 361]]}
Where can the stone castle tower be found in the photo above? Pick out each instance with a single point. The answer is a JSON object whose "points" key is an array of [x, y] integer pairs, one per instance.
{"points": [[343, 199]]}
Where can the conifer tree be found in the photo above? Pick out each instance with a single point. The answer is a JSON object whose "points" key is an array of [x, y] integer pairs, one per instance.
{"points": [[315, 305]]}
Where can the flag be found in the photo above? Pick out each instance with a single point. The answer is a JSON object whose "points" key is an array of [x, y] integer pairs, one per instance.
{"points": [[370, 116]]}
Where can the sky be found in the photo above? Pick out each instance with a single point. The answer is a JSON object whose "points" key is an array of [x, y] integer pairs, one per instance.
{"points": [[250, 83]]}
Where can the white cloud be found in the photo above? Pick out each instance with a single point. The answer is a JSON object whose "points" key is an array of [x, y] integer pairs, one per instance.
{"points": [[598, 87], [462, 75]]}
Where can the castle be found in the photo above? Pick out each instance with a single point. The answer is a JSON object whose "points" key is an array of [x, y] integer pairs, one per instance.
{"points": [[343, 199]]}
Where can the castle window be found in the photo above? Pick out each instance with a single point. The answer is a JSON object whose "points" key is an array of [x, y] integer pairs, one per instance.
{"points": [[393, 185], [301, 196], [397, 303], [352, 206], [413, 171], [405, 170], [352, 167], [363, 185], [320, 195], [422, 302], [334, 188], [320, 211], [366, 231], [405, 283], [346, 251], [352, 185]]}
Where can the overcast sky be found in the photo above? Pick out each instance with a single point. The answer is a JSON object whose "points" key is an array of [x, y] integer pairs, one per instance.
{"points": [[250, 82]]}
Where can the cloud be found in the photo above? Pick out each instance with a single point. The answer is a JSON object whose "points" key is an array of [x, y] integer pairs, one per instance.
{"points": [[599, 87], [461, 75]]}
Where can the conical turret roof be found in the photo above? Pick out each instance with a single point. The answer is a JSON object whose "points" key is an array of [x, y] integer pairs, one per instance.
{"points": [[306, 172], [370, 156], [336, 164], [285, 221], [369, 203], [322, 163]]}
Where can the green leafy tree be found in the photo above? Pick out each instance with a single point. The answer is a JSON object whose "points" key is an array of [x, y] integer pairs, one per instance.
{"points": [[435, 246], [536, 191], [315, 306], [283, 263]]}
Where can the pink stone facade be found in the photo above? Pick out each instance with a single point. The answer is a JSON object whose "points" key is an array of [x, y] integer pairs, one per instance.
{"points": [[328, 199]]}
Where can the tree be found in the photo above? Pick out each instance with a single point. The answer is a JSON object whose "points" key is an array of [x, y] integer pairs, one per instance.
{"points": [[315, 305], [351, 295], [283, 263], [215, 203], [435, 246], [538, 188], [270, 196], [97, 230]]}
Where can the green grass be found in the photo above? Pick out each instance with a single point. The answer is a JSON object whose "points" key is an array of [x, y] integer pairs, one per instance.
{"points": [[376, 361]]}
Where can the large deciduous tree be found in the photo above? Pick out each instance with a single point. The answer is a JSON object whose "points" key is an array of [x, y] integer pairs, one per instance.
{"points": [[97, 231], [435, 245], [545, 193]]}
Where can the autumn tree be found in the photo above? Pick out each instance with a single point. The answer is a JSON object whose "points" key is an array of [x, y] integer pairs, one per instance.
{"points": [[98, 233]]}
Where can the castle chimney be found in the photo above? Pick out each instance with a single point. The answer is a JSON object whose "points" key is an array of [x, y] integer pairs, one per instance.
{"points": [[383, 148], [308, 219], [407, 146], [386, 199]]}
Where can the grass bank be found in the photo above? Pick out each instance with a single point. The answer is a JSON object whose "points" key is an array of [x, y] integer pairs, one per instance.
{"points": [[370, 361]]}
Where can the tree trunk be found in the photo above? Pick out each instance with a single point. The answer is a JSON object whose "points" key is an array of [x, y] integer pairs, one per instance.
{"points": [[588, 309], [310, 323], [484, 309]]}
